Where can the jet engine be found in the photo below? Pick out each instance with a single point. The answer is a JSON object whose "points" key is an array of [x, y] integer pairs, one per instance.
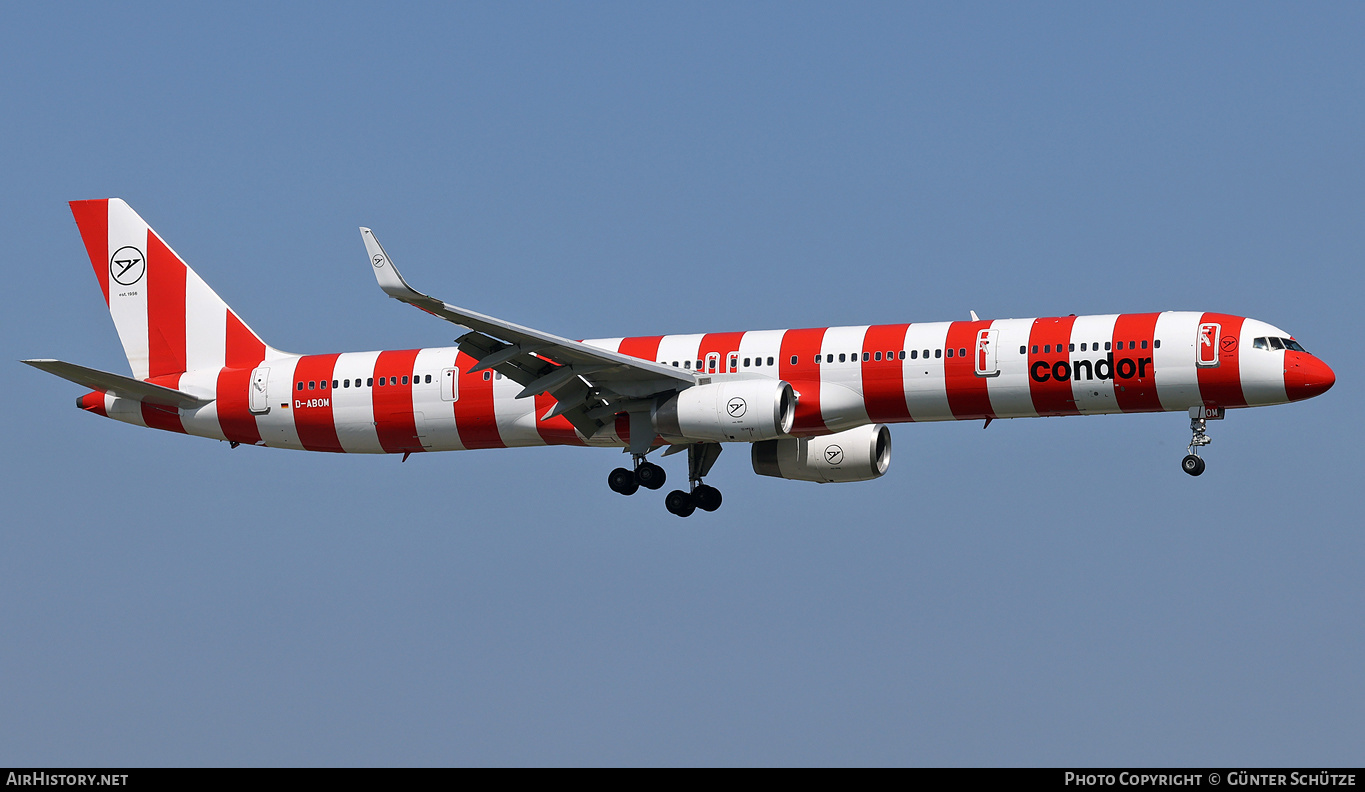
{"points": [[860, 454], [728, 411]]}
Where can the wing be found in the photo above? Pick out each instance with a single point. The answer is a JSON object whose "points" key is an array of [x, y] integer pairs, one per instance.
{"points": [[590, 385]]}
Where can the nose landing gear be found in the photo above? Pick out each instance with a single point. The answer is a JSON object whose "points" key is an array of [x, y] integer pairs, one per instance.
{"points": [[1193, 463]]}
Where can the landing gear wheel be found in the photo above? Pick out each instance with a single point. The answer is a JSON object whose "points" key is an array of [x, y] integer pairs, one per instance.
{"points": [[706, 497], [1192, 464], [623, 481], [680, 503], [650, 476]]}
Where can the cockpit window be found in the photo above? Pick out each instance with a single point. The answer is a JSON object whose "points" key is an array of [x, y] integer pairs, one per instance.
{"points": [[1260, 343], [1276, 344], [1290, 343]]}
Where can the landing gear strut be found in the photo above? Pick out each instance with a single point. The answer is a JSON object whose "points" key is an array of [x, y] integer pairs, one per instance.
{"points": [[646, 474], [700, 458], [1193, 463]]}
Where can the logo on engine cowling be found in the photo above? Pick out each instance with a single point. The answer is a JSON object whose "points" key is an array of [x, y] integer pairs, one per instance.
{"points": [[736, 407], [834, 455]]}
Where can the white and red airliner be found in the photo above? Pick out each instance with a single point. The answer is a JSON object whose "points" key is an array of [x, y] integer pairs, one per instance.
{"points": [[812, 404]]}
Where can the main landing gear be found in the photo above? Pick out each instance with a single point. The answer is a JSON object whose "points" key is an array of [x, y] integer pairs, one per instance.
{"points": [[646, 474], [700, 458], [1193, 463]]}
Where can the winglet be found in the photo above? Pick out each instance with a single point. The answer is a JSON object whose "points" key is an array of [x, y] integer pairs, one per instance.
{"points": [[393, 284], [390, 279], [975, 318]]}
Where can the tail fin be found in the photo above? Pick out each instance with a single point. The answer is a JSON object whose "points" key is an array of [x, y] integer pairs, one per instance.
{"points": [[168, 319]]}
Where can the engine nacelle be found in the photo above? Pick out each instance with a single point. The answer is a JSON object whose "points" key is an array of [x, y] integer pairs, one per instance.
{"points": [[727, 411], [860, 454]]}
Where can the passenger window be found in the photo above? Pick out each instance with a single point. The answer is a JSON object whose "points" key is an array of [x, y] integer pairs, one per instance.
{"points": [[300, 386], [393, 380], [312, 384], [381, 382], [698, 365], [428, 379], [1132, 345], [829, 358], [369, 382], [914, 354], [687, 364], [1156, 344], [487, 375], [950, 351], [1047, 349], [1106, 346], [1082, 346], [1071, 347], [1023, 350], [902, 354], [962, 352], [323, 385], [877, 356], [926, 354], [405, 379], [868, 356], [841, 357], [334, 384], [1275, 343], [1144, 344], [770, 361], [938, 353], [1035, 349], [675, 364], [793, 360], [345, 383], [746, 362]]}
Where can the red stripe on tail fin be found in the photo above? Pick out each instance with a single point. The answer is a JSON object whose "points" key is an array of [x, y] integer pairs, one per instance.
{"points": [[165, 309], [92, 218]]}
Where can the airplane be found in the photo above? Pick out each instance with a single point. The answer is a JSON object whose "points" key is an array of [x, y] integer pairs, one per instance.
{"points": [[812, 404]]}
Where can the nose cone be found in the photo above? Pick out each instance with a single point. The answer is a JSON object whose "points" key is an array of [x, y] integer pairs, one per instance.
{"points": [[1305, 376]]}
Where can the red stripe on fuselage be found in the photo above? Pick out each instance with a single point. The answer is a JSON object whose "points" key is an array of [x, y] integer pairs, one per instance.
{"points": [[722, 344], [234, 414], [557, 430], [1221, 385], [393, 418], [643, 347], [312, 409], [165, 309], [92, 219], [1134, 376], [159, 417], [1052, 396], [884, 380], [475, 418], [967, 394], [804, 376]]}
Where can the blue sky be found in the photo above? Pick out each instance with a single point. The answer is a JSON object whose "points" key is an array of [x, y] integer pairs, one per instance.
{"points": [[1044, 592]]}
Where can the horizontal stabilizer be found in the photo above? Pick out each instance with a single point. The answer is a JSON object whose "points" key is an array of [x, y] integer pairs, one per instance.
{"points": [[119, 385]]}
